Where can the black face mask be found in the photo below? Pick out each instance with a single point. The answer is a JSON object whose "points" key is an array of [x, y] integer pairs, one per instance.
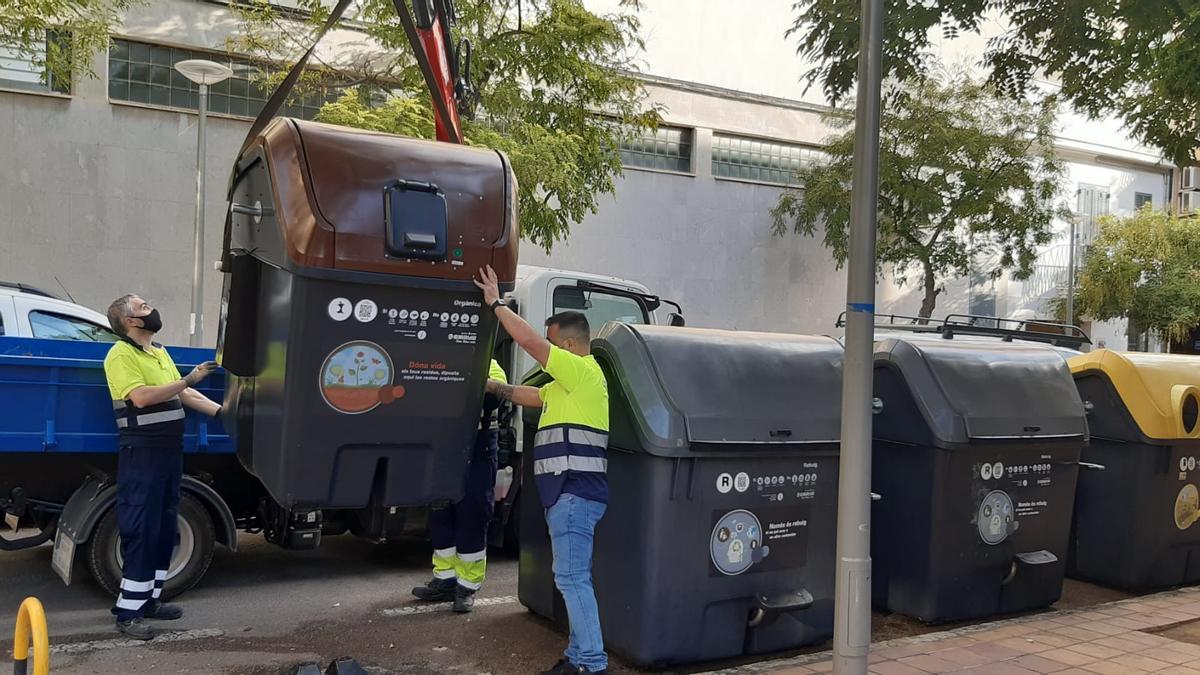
{"points": [[152, 321]]}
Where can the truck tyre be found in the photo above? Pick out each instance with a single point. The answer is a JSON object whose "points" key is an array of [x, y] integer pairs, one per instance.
{"points": [[193, 554]]}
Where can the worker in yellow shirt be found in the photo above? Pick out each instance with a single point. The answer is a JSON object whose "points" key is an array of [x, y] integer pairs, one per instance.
{"points": [[569, 461], [148, 397], [459, 531]]}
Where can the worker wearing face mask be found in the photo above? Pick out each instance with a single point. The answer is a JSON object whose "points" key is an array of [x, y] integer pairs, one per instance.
{"points": [[149, 397]]}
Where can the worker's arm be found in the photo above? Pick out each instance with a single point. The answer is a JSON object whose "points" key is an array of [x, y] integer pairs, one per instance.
{"points": [[521, 395], [199, 402], [522, 333], [147, 395]]}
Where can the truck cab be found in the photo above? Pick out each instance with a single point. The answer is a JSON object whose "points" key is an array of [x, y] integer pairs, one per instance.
{"points": [[542, 292]]}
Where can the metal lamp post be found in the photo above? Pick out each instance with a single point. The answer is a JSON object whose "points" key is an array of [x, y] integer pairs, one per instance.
{"points": [[852, 604], [203, 73]]}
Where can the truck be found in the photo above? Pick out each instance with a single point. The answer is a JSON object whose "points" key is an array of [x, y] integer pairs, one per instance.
{"points": [[58, 439]]}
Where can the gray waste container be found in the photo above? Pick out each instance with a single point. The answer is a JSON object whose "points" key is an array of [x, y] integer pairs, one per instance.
{"points": [[976, 456], [723, 470]]}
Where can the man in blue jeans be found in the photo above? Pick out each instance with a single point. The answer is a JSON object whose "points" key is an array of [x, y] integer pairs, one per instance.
{"points": [[569, 461]]}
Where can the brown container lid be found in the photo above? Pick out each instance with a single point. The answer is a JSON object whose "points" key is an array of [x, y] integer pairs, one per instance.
{"points": [[328, 184]]}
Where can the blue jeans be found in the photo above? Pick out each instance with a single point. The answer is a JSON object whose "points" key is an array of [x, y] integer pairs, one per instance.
{"points": [[572, 522]]}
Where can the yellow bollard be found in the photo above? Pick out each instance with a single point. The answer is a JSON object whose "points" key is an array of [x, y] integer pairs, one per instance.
{"points": [[31, 625]]}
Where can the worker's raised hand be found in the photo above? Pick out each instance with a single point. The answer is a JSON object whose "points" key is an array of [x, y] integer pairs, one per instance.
{"points": [[489, 283], [199, 373]]}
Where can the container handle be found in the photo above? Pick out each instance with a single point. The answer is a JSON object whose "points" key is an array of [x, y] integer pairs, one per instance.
{"points": [[769, 606], [257, 211]]}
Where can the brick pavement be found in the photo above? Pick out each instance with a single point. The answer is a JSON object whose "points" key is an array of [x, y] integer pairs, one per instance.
{"points": [[1116, 638]]}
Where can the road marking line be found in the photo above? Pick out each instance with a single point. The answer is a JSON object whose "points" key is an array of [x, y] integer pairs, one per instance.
{"points": [[440, 606], [123, 643]]}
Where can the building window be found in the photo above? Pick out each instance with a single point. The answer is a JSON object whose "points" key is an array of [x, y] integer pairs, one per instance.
{"points": [[1141, 199], [27, 71], [1091, 206], [665, 148], [760, 161], [144, 73]]}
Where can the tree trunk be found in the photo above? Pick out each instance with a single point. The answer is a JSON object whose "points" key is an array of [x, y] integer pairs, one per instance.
{"points": [[931, 293]]}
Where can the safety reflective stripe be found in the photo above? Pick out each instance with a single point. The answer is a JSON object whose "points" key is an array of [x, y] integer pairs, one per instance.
{"points": [[136, 586], [444, 563], [125, 603], [472, 567], [156, 418], [173, 410], [470, 585], [548, 436], [585, 437], [579, 436], [570, 463], [160, 575]]}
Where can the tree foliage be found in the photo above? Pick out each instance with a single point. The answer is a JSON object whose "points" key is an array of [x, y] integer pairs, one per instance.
{"points": [[556, 82], [1146, 268], [965, 178], [59, 36], [1138, 59]]}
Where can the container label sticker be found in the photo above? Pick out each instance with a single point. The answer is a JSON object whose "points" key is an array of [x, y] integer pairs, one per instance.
{"points": [[357, 377], [1187, 507], [724, 483], [742, 482], [339, 309], [768, 539], [736, 542], [995, 517], [366, 311]]}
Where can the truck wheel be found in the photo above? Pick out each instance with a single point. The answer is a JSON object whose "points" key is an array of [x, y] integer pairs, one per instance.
{"points": [[193, 554]]}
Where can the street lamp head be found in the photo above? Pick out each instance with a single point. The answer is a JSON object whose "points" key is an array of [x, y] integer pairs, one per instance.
{"points": [[202, 71]]}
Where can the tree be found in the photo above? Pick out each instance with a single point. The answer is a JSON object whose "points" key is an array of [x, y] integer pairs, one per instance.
{"points": [[1138, 59], [964, 177], [557, 89], [1145, 268], [59, 36]]}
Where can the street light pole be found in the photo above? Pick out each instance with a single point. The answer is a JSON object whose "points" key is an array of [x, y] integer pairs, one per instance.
{"points": [[852, 607], [1071, 276], [196, 321], [203, 73]]}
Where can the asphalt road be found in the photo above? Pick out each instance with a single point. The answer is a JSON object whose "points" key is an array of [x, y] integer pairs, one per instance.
{"points": [[264, 610]]}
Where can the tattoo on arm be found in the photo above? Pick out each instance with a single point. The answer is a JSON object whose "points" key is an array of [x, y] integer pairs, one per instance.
{"points": [[504, 391]]}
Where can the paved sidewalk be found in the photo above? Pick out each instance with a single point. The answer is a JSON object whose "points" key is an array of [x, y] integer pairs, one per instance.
{"points": [[1116, 638]]}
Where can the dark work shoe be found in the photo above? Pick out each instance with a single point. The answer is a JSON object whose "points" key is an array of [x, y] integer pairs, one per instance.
{"points": [[136, 629], [464, 599], [563, 667], [162, 611], [437, 590]]}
